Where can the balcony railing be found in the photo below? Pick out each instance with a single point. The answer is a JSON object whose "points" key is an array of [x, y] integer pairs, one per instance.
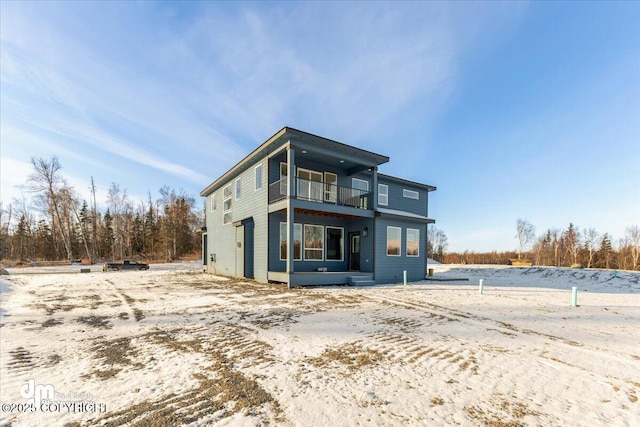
{"points": [[321, 192]]}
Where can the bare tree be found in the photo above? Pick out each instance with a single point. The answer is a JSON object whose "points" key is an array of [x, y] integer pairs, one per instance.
{"points": [[437, 243], [46, 181], [571, 242], [633, 237], [526, 234], [590, 238]]}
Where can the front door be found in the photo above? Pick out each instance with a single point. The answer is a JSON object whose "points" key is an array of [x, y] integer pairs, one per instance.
{"points": [[354, 251]]}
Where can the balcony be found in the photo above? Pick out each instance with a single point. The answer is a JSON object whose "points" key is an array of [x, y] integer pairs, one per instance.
{"points": [[321, 192]]}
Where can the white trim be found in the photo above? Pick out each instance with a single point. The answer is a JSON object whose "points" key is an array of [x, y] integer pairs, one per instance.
{"points": [[304, 244], [326, 228], [353, 180], [214, 205], [389, 227], [256, 175], [236, 188], [226, 198], [294, 239], [410, 194], [417, 230], [330, 188], [309, 191], [386, 195]]}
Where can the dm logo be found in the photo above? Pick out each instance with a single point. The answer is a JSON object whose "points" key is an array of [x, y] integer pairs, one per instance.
{"points": [[35, 394]]}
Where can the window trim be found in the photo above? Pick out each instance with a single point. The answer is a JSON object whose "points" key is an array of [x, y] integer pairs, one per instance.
{"points": [[399, 229], [307, 189], [417, 230], [295, 225], [237, 186], [225, 211], [354, 179], [256, 175], [321, 250], [214, 204], [330, 189], [386, 195], [326, 228], [406, 192]]}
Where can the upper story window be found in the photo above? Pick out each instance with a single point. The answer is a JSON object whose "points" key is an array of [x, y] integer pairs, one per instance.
{"points": [[227, 194], [214, 205], [360, 184], [330, 187], [410, 194], [258, 176], [238, 188], [383, 194]]}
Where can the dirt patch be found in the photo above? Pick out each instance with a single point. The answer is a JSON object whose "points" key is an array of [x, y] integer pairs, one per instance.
{"points": [[21, 358], [222, 392], [51, 322], [100, 322], [351, 356], [117, 355]]}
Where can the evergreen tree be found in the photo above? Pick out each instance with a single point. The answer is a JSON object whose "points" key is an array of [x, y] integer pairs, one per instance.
{"points": [[605, 252]]}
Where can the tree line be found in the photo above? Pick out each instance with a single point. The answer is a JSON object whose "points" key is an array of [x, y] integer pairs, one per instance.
{"points": [[557, 247], [55, 223]]}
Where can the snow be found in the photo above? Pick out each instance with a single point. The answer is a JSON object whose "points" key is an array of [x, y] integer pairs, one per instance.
{"points": [[174, 342]]}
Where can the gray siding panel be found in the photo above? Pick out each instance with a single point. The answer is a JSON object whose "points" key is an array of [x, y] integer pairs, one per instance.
{"points": [[222, 237], [389, 269], [398, 202], [349, 225]]}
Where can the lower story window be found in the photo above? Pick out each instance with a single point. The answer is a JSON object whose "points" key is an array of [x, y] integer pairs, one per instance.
{"points": [[394, 240], [413, 242], [297, 241], [335, 244], [313, 242]]}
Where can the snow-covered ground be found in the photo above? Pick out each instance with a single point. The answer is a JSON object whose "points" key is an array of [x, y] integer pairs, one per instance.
{"points": [[175, 346]]}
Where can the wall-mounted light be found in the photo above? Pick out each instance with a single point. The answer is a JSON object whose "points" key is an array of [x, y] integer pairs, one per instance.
{"points": [[365, 232]]}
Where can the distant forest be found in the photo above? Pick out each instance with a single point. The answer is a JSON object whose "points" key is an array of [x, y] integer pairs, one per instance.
{"points": [[53, 223], [554, 247]]}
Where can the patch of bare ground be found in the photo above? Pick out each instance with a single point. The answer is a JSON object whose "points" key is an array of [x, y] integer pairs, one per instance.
{"points": [[352, 356], [116, 354], [505, 414], [222, 392], [137, 313], [51, 322], [271, 318], [100, 322], [21, 358], [54, 359], [51, 309]]}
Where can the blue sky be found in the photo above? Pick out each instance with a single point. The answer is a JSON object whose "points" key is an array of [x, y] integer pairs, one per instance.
{"points": [[512, 109]]}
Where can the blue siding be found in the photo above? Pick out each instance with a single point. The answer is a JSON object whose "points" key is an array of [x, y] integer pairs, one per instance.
{"points": [[389, 268], [349, 225], [398, 202]]}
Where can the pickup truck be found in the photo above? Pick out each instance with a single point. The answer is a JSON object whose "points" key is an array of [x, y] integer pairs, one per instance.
{"points": [[125, 265]]}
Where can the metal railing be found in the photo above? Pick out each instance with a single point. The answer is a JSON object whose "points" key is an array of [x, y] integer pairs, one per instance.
{"points": [[321, 192]]}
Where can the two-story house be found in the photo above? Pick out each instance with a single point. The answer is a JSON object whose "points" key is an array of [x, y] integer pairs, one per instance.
{"points": [[306, 210]]}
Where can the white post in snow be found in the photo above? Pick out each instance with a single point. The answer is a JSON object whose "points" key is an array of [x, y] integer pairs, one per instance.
{"points": [[404, 277], [574, 296], [481, 287]]}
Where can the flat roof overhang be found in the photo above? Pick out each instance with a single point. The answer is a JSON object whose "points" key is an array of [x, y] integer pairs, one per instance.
{"points": [[355, 159]]}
